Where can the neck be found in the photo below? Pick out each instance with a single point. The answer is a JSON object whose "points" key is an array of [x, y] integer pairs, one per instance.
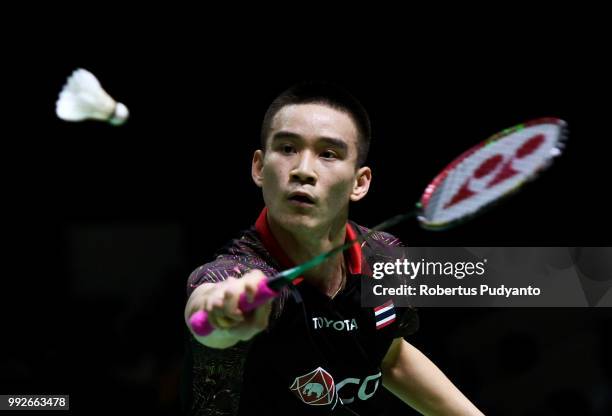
{"points": [[304, 245]]}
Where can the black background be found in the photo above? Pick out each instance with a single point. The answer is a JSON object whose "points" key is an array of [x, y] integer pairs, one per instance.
{"points": [[89, 201]]}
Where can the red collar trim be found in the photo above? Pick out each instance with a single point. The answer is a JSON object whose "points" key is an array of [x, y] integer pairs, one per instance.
{"points": [[261, 225]]}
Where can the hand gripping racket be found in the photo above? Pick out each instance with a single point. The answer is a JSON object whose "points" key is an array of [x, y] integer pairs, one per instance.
{"points": [[481, 176]]}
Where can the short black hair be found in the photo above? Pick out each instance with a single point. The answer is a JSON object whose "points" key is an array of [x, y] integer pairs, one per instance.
{"points": [[327, 94]]}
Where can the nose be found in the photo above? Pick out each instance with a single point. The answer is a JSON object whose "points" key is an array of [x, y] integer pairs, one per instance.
{"points": [[304, 171]]}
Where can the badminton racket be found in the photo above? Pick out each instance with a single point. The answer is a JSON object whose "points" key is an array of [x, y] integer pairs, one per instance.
{"points": [[483, 175]]}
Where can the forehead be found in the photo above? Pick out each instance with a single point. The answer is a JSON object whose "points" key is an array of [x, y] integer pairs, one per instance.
{"points": [[315, 120]]}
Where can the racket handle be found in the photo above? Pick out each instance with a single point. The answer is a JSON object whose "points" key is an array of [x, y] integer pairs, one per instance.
{"points": [[199, 320]]}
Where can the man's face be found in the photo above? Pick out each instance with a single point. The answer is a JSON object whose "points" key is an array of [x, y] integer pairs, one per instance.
{"points": [[308, 172]]}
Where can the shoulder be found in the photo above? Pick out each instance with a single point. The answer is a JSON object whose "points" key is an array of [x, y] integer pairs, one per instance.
{"points": [[383, 246], [240, 255], [377, 238]]}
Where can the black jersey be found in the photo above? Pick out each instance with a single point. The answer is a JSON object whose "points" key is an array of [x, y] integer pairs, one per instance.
{"points": [[319, 355]]}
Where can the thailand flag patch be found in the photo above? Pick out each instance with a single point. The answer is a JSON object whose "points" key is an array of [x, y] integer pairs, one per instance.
{"points": [[384, 314]]}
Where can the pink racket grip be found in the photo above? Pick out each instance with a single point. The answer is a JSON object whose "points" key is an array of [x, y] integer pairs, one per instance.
{"points": [[199, 320]]}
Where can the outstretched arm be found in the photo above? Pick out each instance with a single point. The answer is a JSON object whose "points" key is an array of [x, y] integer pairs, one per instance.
{"points": [[412, 377]]}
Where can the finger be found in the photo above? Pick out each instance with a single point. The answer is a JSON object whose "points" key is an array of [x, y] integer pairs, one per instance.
{"points": [[230, 306], [213, 301], [252, 284], [250, 291]]}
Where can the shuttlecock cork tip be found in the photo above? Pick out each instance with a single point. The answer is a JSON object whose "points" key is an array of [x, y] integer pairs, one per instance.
{"points": [[120, 115]]}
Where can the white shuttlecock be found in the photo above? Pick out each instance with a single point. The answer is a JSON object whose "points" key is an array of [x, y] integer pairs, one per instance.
{"points": [[83, 98]]}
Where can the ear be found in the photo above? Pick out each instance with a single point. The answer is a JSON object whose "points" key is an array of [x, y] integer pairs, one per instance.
{"points": [[257, 168], [363, 177]]}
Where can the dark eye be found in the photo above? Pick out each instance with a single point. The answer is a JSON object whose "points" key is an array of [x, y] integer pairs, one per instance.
{"points": [[328, 154], [287, 149]]}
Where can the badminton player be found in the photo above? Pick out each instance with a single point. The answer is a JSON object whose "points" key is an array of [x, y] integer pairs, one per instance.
{"points": [[313, 350]]}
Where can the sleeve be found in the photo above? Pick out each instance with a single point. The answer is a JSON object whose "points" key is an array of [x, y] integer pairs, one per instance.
{"points": [[387, 247], [216, 271], [408, 317]]}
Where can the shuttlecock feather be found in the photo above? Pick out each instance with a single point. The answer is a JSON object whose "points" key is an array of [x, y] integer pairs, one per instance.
{"points": [[83, 98]]}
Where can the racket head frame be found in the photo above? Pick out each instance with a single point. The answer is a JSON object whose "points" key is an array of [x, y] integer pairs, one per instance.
{"points": [[434, 185]]}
